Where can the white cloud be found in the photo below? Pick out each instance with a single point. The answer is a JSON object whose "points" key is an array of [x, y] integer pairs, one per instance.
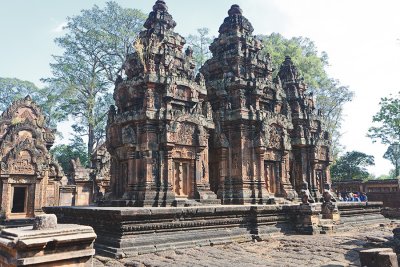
{"points": [[59, 28]]}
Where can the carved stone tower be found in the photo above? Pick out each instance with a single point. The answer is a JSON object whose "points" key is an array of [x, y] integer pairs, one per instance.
{"points": [[30, 177], [310, 142], [250, 150], [158, 135]]}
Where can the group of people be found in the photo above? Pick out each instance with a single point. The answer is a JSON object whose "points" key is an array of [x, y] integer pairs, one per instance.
{"points": [[353, 197]]}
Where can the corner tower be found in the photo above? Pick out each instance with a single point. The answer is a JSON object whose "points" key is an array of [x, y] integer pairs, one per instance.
{"points": [[158, 133], [250, 148], [311, 143]]}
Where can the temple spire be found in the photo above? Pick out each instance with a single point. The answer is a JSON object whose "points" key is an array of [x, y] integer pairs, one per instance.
{"points": [[159, 20], [236, 22]]}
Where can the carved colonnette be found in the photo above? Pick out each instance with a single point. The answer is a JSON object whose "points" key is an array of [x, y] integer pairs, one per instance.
{"points": [[157, 135]]}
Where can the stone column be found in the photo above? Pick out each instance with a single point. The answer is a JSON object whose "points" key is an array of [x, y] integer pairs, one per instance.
{"points": [[224, 190], [261, 183], [6, 198], [38, 198]]}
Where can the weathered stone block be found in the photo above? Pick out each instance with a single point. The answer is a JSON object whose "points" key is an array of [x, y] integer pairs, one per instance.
{"points": [[45, 221], [66, 245], [378, 257]]}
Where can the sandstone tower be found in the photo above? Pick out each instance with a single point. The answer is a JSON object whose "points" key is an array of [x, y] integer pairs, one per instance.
{"points": [[158, 135]]}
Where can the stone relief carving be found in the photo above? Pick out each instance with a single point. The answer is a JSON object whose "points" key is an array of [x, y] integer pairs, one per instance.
{"points": [[128, 135]]}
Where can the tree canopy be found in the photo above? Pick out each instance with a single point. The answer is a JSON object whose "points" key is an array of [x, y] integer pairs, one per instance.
{"points": [[387, 121], [13, 89], [95, 46], [200, 43], [64, 153], [352, 165], [387, 129]]}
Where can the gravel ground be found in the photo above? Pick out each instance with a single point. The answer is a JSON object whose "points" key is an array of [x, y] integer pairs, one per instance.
{"points": [[339, 249]]}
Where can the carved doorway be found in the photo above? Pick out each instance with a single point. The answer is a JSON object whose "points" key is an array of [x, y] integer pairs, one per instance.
{"points": [[183, 175], [272, 176], [19, 200]]}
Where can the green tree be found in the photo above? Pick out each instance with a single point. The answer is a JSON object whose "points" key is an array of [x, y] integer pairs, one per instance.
{"points": [[330, 95], [387, 128], [352, 165], [200, 44], [393, 155], [64, 153], [12, 89], [95, 46], [387, 121]]}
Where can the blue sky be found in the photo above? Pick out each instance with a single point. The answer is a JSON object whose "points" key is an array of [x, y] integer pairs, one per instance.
{"points": [[360, 37]]}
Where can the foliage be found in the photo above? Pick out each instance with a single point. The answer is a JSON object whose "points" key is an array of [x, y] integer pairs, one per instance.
{"points": [[387, 129], [384, 177], [387, 120], [95, 46], [64, 153], [330, 95], [200, 43], [13, 89], [352, 165], [393, 155]]}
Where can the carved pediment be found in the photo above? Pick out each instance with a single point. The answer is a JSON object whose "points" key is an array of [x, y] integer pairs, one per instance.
{"points": [[21, 164]]}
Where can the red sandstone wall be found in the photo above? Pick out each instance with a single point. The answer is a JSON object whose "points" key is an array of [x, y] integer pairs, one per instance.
{"points": [[389, 199]]}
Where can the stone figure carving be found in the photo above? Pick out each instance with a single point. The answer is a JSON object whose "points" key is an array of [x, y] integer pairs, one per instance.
{"points": [[305, 194], [128, 135]]}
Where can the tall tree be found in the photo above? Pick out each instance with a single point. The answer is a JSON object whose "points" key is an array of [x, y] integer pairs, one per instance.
{"points": [[352, 165], [95, 46], [200, 43], [393, 155], [330, 95]]}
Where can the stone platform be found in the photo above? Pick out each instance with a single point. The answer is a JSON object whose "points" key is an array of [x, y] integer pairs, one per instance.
{"points": [[62, 245], [125, 232]]}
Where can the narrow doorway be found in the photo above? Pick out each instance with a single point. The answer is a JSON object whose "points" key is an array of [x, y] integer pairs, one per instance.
{"points": [[272, 174], [182, 178], [19, 200]]}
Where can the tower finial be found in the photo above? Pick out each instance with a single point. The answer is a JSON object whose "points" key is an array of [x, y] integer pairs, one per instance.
{"points": [[160, 5], [235, 10]]}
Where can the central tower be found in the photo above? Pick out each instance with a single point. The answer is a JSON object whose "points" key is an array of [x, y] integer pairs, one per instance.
{"points": [[250, 151]]}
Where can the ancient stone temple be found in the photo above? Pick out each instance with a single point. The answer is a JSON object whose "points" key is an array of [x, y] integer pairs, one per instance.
{"points": [[268, 140], [158, 134], [30, 177], [233, 128]]}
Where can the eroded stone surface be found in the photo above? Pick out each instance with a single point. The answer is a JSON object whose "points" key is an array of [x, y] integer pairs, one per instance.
{"points": [[232, 131], [45, 221], [340, 249], [65, 245]]}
